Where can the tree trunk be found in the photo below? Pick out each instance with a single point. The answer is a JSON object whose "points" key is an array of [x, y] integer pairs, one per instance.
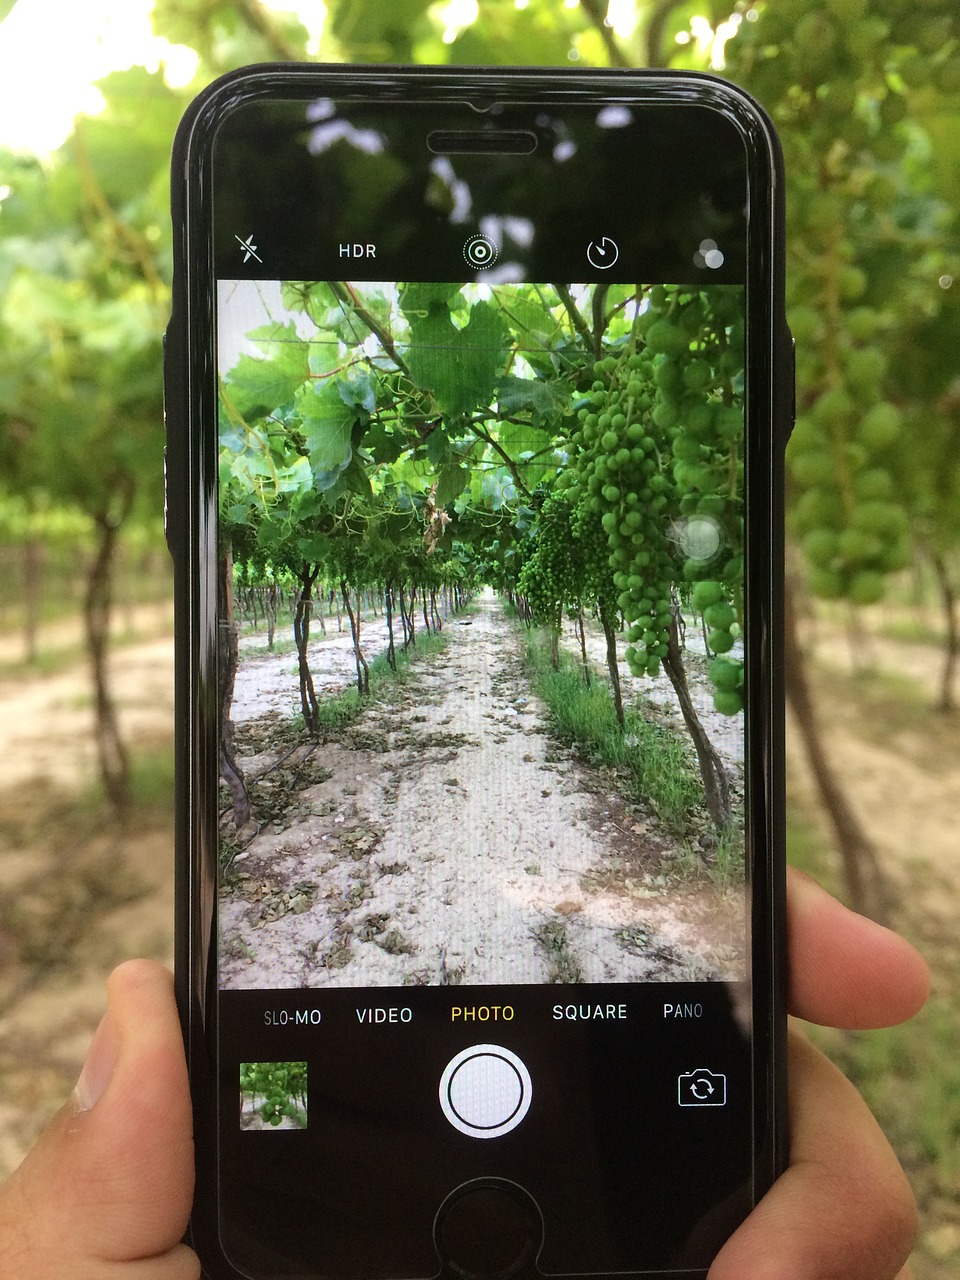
{"points": [[227, 661], [613, 668], [301, 634], [951, 653], [583, 648], [411, 618], [866, 888], [33, 557], [391, 648], [112, 756], [319, 614], [716, 784], [363, 671], [270, 612], [403, 617]]}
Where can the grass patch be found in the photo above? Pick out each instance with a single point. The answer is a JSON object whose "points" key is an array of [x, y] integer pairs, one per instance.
{"points": [[150, 786], [282, 648], [729, 864], [152, 774], [913, 630], [910, 1078], [48, 662], [911, 1074], [565, 968], [656, 763], [52, 659]]}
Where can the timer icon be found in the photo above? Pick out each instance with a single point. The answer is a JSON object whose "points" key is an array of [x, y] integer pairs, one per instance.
{"points": [[603, 253]]}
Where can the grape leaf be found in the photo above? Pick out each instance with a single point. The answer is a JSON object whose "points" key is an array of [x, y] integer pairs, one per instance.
{"points": [[259, 385], [451, 483], [358, 391], [459, 366], [438, 446], [534, 325], [419, 297], [383, 444], [544, 400], [327, 425]]}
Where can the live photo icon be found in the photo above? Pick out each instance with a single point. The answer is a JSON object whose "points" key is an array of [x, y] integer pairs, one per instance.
{"points": [[702, 1088]]}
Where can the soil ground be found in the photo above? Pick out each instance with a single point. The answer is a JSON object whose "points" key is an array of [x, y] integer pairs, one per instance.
{"points": [[446, 838]]}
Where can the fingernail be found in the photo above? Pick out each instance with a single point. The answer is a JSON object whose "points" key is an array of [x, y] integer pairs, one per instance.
{"points": [[98, 1068]]}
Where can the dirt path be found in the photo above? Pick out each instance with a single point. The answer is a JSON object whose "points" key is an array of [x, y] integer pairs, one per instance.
{"points": [[447, 839], [46, 730]]}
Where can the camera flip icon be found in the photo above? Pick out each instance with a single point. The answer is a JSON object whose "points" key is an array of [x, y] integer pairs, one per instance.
{"points": [[702, 1088]]}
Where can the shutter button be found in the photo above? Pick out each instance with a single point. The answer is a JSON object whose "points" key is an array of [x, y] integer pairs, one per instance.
{"points": [[485, 1091]]}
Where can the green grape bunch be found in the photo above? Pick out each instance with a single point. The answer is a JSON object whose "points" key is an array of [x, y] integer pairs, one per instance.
{"points": [[549, 578], [842, 82], [660, 445]]}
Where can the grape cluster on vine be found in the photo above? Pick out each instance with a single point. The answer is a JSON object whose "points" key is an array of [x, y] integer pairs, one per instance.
{"points": [[840, 80], [660, 446]]}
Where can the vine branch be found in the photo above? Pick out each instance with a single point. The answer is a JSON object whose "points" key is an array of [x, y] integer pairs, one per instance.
{"points": [[656, 28], [507, 460], [258, 20], [573, 311], [348, 297], [124, 234], [596, 11]]}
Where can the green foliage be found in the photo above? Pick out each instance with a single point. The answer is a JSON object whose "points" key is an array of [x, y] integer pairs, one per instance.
{"points": [[350, 453], [84, 302], [278, 1091], [856, 89], [458, 366]]}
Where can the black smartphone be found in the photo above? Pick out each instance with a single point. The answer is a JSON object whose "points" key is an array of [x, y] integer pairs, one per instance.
{"points": [[478, 383]]}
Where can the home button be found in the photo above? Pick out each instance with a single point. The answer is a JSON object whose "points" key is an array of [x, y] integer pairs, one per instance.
{"points": [[488, 1229]]}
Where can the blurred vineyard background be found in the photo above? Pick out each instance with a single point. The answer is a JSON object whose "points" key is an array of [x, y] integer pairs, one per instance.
{"points": [[865, 94]]}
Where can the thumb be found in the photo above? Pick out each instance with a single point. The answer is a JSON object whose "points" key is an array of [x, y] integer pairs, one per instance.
{"points": [[111, 1180]]}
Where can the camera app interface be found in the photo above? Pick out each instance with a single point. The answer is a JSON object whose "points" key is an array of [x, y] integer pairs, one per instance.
{"points": [[482, 705], [483, 951]]}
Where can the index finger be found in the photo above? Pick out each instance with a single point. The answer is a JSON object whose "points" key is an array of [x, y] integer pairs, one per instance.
{"points": [[845, 970]]}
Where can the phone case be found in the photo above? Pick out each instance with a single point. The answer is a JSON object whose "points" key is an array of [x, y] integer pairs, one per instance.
{"points": [[190, 507]]}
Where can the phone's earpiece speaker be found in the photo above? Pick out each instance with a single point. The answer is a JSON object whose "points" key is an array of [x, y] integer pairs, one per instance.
{"points": [[511, 142]]}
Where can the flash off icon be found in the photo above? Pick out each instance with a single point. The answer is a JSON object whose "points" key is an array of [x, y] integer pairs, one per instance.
{"points": [[248, 248]]}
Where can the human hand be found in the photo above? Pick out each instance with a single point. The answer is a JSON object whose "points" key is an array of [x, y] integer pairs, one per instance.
{"points": [[106, 1193], [843, 1210]]}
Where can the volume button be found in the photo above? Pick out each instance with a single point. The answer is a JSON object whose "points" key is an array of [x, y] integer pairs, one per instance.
{"points": [[166, 501]]}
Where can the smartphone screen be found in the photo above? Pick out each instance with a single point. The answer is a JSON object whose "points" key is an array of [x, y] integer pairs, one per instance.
{"points": [[485, 616]]}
